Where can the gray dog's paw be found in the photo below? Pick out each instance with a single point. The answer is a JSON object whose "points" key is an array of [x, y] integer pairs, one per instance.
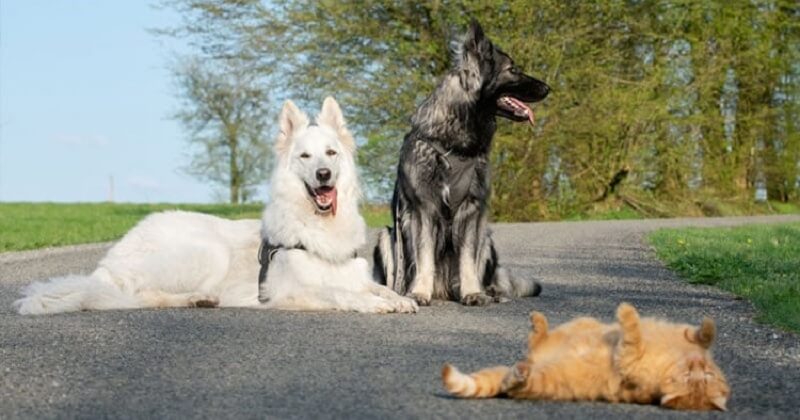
{"points": [[476, 299], [421, 299]]}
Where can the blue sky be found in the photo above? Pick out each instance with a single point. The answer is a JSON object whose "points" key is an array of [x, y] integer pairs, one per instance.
{"points": [[85, 95]]}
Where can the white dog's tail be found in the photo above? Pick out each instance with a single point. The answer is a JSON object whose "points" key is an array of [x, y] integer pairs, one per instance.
{"points": [[73, 293]]}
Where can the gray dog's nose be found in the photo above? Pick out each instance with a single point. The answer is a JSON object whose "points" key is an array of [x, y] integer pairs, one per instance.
{"points": [[323, 174]]}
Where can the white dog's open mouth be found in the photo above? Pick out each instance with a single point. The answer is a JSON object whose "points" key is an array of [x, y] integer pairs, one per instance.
{"points": [[324, 198]]}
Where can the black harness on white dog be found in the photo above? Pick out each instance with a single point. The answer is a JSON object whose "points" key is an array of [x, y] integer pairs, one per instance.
{"points": [[266, 253]]}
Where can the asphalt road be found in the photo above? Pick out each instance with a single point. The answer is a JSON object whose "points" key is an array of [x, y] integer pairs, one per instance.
{"points": [[224, 363]]}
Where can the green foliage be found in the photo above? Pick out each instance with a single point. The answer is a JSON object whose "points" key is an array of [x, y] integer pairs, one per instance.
{"points": [[661, 104], [759, 262], [377, 215], [38, 225]]}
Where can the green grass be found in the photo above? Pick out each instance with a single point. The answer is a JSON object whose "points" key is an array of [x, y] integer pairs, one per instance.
{"points": [[785, 208], [760, 263], [376, 215], [614, 209], [37, 225], [619, 213]]}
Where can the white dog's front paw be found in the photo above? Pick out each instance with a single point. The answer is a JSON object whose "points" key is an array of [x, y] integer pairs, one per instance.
{"points": [[405, 305], [384, 292], [375, 305]]}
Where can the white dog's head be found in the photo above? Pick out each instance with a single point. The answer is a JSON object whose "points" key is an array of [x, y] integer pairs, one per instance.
{"points": [[320, 155]]}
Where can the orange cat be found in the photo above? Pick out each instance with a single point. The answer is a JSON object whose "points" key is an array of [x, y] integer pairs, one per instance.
{"points": [[644, 361]]}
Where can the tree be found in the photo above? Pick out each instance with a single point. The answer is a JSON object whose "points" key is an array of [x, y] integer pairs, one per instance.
{"points": [[663, 106], [223, 111]]}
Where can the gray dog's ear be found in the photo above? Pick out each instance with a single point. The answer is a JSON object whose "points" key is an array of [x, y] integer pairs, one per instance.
{"points": [[331, 116], [290, 120], [475, 41], [469, 53]]}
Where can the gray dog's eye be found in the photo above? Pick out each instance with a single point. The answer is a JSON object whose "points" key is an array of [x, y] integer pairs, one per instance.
{"points": [[304, 155], [331, 152]]}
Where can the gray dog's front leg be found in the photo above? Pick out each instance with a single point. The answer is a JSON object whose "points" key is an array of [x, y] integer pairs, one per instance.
{"points": [[422, 230], [470, 264]]}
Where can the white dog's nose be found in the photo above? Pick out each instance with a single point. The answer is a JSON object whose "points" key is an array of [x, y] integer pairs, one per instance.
{"points": [[323, 174]]}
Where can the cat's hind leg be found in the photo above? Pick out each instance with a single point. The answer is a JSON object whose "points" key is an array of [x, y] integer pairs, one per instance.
{"points": [[630, 345], [539, 329], [485, 383]]}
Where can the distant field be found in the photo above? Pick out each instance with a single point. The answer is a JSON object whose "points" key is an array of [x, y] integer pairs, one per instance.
{"points": [[760, 263], [38, 225]]}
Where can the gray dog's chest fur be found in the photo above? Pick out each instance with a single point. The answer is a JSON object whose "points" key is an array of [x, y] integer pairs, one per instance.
{"points": [[443, 178], [456, 174]]}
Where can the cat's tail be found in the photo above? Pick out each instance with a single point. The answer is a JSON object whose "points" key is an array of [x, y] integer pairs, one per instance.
{"points": [[484, 383], [73, 293]]}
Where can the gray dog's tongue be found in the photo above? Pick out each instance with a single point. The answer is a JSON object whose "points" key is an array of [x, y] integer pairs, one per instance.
{"points": [[519, 108]]}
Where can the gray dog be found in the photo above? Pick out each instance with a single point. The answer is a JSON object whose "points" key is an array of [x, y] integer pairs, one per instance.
{"points": [[440, 246]]}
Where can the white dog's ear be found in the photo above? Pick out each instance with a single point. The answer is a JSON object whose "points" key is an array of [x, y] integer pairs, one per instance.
{"points": [[331, 115], [291, 120]]}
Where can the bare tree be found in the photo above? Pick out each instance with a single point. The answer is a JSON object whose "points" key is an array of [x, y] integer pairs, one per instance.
{"points": [[224, 112]]}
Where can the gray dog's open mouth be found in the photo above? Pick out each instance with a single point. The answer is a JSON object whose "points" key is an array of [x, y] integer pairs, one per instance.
{"points": [[324, 198], [514, 109]]}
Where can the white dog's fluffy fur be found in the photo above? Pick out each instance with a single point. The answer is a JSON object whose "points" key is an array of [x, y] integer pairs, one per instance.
{"points": [[179, 259]]}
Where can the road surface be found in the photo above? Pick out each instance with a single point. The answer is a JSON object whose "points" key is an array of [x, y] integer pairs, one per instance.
{"points": [[240, 363]]}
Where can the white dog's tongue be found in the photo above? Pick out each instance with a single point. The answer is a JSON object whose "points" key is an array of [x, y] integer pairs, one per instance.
{"points": [[327, 196], [333, 195]]}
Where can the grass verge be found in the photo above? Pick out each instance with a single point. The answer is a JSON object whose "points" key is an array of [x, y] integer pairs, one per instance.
{"points": [[760, 263], [37, 225]]}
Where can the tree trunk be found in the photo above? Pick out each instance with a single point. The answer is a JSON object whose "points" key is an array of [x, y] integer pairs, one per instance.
{"points": [[235, 173]]}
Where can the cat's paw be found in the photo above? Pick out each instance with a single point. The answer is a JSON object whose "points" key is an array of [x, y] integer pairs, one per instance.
{"points": [[538, 322], [421, 299], [521, 370], [203, 301], [516, 376], [476, 299], [626, 313]]}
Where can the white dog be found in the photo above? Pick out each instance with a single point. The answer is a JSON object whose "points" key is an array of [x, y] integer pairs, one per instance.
{"points": [[312, 229]]}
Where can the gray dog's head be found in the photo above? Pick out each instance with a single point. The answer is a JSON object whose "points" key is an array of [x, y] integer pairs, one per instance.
{"points": [[492, 75]]}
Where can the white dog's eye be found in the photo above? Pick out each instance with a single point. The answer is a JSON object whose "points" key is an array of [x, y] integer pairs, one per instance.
{"points": [[331, 152], [304, 155]]}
